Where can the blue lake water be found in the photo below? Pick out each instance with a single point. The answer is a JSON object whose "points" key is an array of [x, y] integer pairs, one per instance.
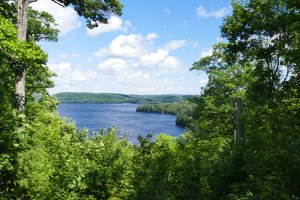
{"points": [[123, 116]]}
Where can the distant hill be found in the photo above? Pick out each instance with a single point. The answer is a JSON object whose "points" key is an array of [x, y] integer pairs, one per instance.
{"points": [[85, 97]]}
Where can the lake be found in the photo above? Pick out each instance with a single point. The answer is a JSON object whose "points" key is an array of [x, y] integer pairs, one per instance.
{"points": [[123, 116]]}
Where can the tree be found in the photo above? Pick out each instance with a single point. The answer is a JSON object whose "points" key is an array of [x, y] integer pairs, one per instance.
{"points": [[40, 24], [95, 12], [14, 52], [266, 33], [227, 81]]}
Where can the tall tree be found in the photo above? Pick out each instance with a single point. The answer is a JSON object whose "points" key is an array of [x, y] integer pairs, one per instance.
{"points": [[41, 25], [94, 11], [267, 34], [227, 82]]}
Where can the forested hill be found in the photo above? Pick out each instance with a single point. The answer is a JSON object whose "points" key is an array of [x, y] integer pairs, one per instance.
{"points": [[84, 97]]}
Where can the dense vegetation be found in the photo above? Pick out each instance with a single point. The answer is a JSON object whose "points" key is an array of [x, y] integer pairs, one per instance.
{"points": [[82, 97], [183, 110], [45, 157]]}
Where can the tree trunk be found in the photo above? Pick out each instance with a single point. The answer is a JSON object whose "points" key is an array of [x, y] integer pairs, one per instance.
{"points": [[22, 7], [238, 132]]}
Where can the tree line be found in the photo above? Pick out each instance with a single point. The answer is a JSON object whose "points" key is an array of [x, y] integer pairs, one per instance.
{"points": [[183, 110], [86, 97], [45, 157]]}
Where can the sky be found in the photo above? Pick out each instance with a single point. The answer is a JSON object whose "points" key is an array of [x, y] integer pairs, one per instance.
{"points": [[148, 50]]}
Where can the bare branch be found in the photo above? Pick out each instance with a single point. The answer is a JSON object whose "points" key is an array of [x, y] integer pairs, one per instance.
{"points": [[57, 2], [31, 1]]}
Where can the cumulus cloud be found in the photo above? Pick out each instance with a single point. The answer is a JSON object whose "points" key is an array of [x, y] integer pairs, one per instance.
{"points": [[78, 76], [174, 44], [129, 63], [202, 12], [61, 68], [113, 65], [66, 18], [154, 58], [136, 50], [151, 36], [171, 63], [66, 74], [117, 75], [127, 46]]}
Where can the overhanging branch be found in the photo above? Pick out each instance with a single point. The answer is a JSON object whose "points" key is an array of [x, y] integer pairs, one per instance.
{"points": [[57, 2], [31, 1]]}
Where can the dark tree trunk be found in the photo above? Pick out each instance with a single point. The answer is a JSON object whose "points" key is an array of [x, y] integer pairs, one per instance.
{"points": [[22, 7], [238, 132]]}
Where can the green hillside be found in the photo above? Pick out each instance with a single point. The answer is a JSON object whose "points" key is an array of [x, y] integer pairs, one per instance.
{"points": [[84, 97]]}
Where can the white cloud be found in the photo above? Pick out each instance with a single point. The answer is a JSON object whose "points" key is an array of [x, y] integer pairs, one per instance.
{"points": [[60, 69], [113, 65], [174, 44], [154, 58], [66, 17], [139, 75], [78, 76], [171, 63], [205, 53], [151, 36], [126, 46], [131, 63], [116, 75], [202, 12], [67, 75], [114, 24], [133, 77], [136, 50]]}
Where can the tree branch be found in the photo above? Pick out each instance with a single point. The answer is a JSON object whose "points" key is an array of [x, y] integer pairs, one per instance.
{"points": [[8, 55], [287, 73], [57, 2], [31, 1]]}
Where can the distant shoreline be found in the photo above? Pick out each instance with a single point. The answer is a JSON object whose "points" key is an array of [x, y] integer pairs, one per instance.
{"points": [[112, 98]]}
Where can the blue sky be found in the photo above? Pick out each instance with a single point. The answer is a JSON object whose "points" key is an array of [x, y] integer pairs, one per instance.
{"points": [[148, 50]]}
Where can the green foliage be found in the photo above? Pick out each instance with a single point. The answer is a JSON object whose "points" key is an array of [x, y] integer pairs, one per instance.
{"points": [[214, 114], [183, 110], [176, 168], [40, 24], [15, 52], [52, 159], [83, 97], [95, 11], [271, 114]]}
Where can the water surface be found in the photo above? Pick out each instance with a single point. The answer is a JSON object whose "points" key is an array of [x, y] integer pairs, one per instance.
{"points": [[123, 116]]}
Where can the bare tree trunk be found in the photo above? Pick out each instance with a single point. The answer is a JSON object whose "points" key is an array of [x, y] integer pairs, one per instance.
{"points": [[22, 7], [238, 132]]}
